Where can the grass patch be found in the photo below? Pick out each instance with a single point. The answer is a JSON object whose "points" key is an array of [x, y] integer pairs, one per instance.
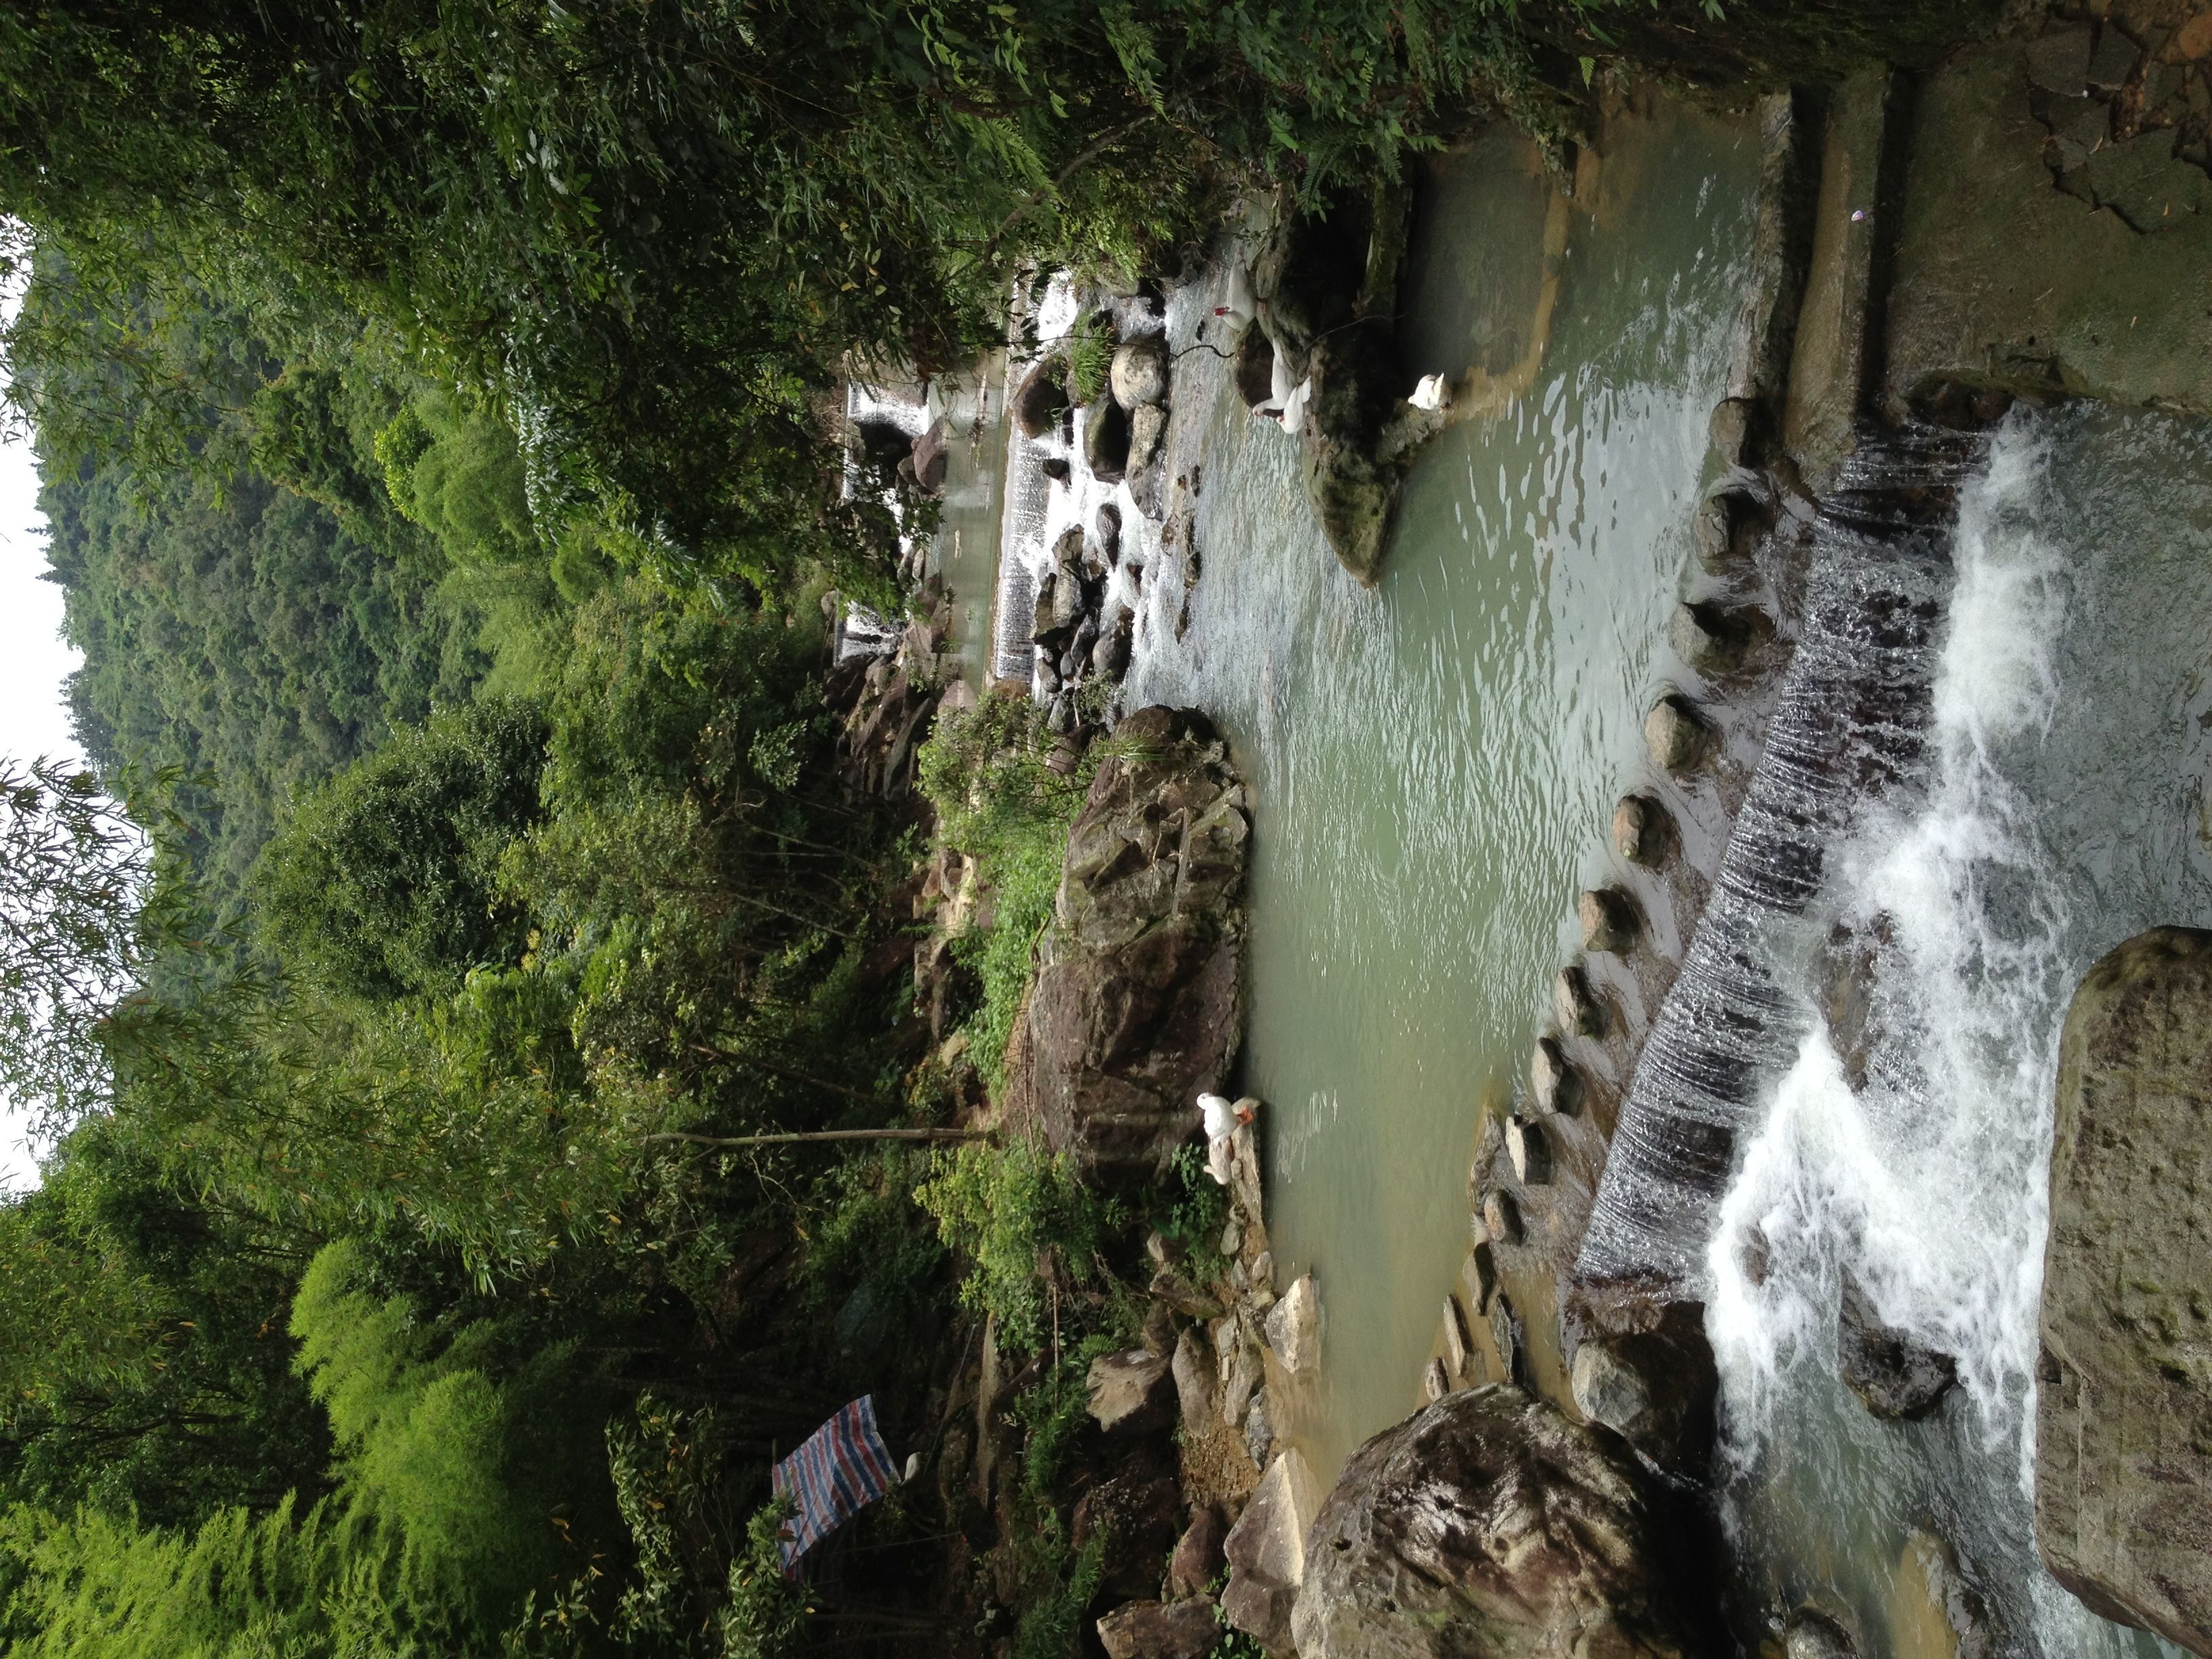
{"points": [[1025, 1226], [983, 770]]}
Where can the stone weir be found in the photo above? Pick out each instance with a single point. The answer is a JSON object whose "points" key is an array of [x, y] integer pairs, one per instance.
{"points": [[1850, 729]]}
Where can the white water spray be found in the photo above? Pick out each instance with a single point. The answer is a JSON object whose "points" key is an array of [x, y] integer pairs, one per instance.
{"points": [[1927, 1184], [1926, 1181]]}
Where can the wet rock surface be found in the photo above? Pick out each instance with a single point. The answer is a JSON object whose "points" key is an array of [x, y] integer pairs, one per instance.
{"points": [[2055, 236], [1894, 1376], [2123, 1397], [1327, 288], [1486, 1523], [1138, 1006], [1645, 1369], [1040, 402], [1813, 1635]]}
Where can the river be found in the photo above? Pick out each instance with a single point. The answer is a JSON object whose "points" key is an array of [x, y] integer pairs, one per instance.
{"points": [[1433, 763]]}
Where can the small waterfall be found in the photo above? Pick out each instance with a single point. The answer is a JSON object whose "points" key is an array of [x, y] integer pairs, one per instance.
{"points": [[1851, 725]]}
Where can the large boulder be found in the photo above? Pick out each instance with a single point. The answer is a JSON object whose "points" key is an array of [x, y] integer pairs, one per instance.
{"points": [[1139, 373], [2123, 1397], [1139, 998], [1159, 1630], [1487, 1524], [1198, 1558], [1133, 1516], [1266, 1553], [1040, 402], [1327, 281], [1132, 1392], [1646, 1371], [1106, 441]]}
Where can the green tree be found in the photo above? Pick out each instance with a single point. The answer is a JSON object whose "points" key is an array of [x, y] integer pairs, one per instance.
{"points": [[143, 1361], [73, 873], [386, 881]]}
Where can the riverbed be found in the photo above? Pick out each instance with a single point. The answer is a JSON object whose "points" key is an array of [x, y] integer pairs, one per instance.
{"points": [[1432, 763]]}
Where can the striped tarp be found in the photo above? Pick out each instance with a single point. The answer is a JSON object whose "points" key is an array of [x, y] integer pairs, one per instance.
{"points": [[841, 1469]]}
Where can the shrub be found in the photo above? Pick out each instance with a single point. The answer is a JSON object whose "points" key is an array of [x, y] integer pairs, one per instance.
{"points": [[983, 770], [384, 884], [1021, 1221]]}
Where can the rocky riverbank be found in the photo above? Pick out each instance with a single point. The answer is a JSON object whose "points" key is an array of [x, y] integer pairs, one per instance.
{"points": [[1599, 1392]]}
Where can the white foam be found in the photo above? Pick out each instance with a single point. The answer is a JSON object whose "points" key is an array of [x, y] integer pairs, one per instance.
{"points": [[1927, 1185]]}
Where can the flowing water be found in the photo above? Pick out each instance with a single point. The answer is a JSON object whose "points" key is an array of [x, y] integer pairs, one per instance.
{"points": [[2056, 806], [1851, 727], [1992, 761], [965, 550], [1433, 762]]}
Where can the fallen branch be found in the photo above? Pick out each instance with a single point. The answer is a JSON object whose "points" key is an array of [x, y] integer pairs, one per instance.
{"points": [[811, 1136]]}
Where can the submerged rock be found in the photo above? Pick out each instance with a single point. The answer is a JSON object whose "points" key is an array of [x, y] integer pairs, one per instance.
{"points": [[1714, 532], [1642, 831], [1710, 638], [1554, 1084], [1933, 1599], [1138, 1006], [1501, 1217], [1487, 1524], [1813, 1635], [1675, 737], [1894, 1376], [1459, 1346], [1607, 918], [1573, 1005], [1529, 1150], [2123, 1396]]}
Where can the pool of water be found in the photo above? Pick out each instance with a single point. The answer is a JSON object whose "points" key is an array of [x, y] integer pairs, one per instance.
{"points": [[964, 553], [1433, 762]]}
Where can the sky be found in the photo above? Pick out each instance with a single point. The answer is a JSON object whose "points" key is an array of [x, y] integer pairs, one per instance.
{"points": [[34, 662]]}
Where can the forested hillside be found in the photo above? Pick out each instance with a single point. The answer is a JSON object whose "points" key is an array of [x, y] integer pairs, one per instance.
{"points": [[243, 636]]}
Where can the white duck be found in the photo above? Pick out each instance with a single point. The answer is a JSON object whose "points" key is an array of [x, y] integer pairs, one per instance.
{"points": [[1222, 1121], [1239, 304], [1432, 393]]}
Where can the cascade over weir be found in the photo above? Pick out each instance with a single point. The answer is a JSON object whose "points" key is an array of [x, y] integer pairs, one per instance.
{"points": [[1850, 728]]}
